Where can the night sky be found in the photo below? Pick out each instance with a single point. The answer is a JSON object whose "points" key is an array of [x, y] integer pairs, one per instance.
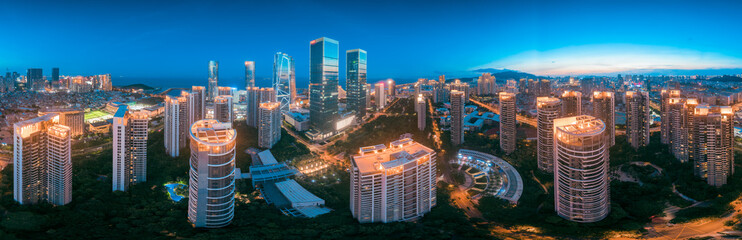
{"points": [[172, 41]]}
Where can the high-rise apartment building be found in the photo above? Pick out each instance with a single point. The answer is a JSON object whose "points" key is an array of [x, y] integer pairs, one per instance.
{"points": [[571, 103], [486, 84], [42, 161], [177, 122], [211, 187], [256, 96], [391, 88], [223, 109], [713, 135], [284, 80], [688, 127], [460, 86], [223, 91], [323, 84], [676, 123], [196, 104], [368, 96], [507, 122], [604, 108], [70, 117], [665, 95], [103, 82], [249, 74], [421, 109], [213, 80], [548, 109], [392, 184], [457, 117], [380, 95], [129, 148], [637, 118], [356, 81], [581, 162], [269, 129]]}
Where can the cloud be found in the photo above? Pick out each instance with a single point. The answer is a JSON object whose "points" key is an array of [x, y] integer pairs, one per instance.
{"points": [[612, 58]]}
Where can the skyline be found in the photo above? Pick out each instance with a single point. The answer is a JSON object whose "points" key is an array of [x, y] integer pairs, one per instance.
{"points": [[136, 40]]}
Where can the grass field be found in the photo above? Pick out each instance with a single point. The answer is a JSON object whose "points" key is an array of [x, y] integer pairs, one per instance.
{"points": [[94, 115]]}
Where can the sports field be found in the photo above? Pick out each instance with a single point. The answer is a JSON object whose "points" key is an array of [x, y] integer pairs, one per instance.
{"points": [[96, 116]]}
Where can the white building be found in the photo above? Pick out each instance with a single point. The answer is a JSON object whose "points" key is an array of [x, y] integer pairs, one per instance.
{"points": [[548, 109], [177, 121], [420, 109], [392, 184], [269, 128], [129, 148], [380, 95]]}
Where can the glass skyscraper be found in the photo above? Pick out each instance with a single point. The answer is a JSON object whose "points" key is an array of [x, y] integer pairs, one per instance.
{"points": [[249, 74], [284, 79], [212, 92], [323, 84], [356, 81]]}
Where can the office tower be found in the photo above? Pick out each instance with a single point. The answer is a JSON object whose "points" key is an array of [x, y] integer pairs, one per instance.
{"points": [[637, 118], [70, 117], [507, 122], [211, 186], [323, 84], [548, 109], [55, 75], [462, 87], [391, 87], [269, 131], [544, 88], [129, 148], [213, 80], [356, 81], [223, 91], [380, 95], [676, 124], [392, 184], [604, 109], [571, 103], [223, 109], [176, 123], [196, 104], [457, 117], [665, 95], [284, 80], [420, 109], [486, 84], [714, 143], [42, 161], [35, 79], [581, 162], [249, 74], [368, 96], [256, 96]]}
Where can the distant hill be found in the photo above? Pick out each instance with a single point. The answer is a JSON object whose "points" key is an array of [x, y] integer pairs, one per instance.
{"points": [[726, 78], [137, 86]]}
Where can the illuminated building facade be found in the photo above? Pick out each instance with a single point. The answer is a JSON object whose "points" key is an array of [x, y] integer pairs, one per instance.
{"points": [[323, 84], [548, 109], [213, 80], [421, 109], [223, 108], [637, 118], [713, 142], [457, 117], [284, 80], [571, 103], [507, 122], [129, 148], [604, 108], [269, 129], [72, 118], [256, 96], [356, 81], [665, 96], [249, 74], [380, 95], [177, 121], [196, 104]]}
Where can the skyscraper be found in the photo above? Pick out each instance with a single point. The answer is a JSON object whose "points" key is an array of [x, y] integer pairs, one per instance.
{"points": [[380, 95], [460, 86], [571, 103], [42, 161], [544, 88], [604, 109], [129, 148], [211, 186], [269, 130], [223, 109], [486, 84], [255, 96], [249, 74], [665, 95], [356, 81], [392, 184], [391, 88], [713, 143], [323, 84], [35, 79], [70, 117], [420, 109], [581, 183], [284, 80], [548, 109], [677, 132], [457, 117], [177, 121], [213, 80], [196, 104], [507, 122], [637, 118], [55, 75]]}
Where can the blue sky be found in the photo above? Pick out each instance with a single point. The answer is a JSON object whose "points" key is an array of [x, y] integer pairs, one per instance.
{"points": [[404, 39]]}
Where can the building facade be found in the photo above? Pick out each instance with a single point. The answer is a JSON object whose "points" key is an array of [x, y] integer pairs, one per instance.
{"points": [[176, 123], [548, 109], [223, 109], [457, 117], [392, 184], [256, 96], [581, 182], [284, 80], [637, 118], [380, 96], [249, 74], [421, 109], [571, 103], [486, 84], [323, 84], [211, 186], [604, 108], [196, 104], [269, 131], [212, 90], [356, 81], [508, 113], [130, 130], [665, 96], [713, 135], [70, 117]]}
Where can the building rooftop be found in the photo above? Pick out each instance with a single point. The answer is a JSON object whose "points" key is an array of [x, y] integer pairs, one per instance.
{"points": [[121, 112], [211, 131], [266, 158], [378, 157], [583, 125], [296, 194]]}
